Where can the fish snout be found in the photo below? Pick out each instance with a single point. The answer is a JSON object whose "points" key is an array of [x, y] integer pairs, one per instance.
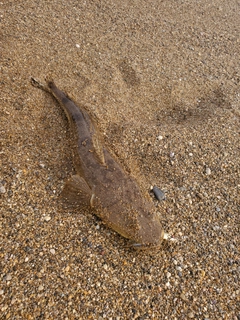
{"points": [[151, 240]]}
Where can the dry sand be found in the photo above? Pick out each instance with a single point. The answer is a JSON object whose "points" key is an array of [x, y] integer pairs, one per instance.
{"points": [[161, 78]]}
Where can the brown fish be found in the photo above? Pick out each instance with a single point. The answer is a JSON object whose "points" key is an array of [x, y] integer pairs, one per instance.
{"points": [[101, 183]]}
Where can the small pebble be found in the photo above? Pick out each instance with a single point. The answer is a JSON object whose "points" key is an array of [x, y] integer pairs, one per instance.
{"points": [[67, 268], [183, 297], [8, 277], [77, 45], [1, 292], [171, 154], [160, 137], [52, 251], [2, 189], [47, 218], [208, 171], [40, 288], [159, 194]]}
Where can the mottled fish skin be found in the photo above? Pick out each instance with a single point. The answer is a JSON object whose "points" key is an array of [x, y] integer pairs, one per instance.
{"points": [[101, 182]]}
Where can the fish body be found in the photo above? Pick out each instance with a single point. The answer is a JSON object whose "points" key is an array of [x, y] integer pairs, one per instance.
{"points": [[103, 184]]}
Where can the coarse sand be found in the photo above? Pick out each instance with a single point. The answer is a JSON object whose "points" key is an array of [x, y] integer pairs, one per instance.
{"points": [[161, 79]]}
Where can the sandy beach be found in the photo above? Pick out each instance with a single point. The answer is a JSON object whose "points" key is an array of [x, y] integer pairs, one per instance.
{"points": [[161, 80]]}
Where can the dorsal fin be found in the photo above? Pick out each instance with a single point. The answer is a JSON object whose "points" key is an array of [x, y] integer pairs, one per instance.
{"points": [[96, 138]]}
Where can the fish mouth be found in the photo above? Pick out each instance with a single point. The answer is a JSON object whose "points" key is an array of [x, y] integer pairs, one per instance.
{"points": [[145, 246], [150, 246]]}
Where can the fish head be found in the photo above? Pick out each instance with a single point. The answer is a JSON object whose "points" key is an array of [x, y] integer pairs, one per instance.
{"points": [[149, 234]]}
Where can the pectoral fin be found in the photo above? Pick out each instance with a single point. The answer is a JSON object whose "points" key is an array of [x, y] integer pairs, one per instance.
{"points": [[77, 192]]}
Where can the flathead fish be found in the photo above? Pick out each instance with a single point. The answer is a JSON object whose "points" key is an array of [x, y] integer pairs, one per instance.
{"points": [[101, 183]]}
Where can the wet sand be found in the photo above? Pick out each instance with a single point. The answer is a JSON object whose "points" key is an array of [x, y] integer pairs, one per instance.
{"points": [[161, 80]]}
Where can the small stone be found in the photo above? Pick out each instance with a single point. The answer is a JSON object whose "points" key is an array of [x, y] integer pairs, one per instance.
{"points": [[183, 297], [208, 171], [160, 137], [190, 154], [67, 268], [52, 251], [47, 218], [42, 165], [1, 292], [168, 275], [159, 194], [171, 154], [77, 45], [191, 315], [40, 288], [2, 189], [8, 277]]}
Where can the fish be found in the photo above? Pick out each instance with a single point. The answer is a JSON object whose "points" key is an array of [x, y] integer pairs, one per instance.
{"points": [[102, 184]]}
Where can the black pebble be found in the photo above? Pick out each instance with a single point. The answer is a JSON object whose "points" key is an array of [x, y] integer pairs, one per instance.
{"points": [[159, 194]]}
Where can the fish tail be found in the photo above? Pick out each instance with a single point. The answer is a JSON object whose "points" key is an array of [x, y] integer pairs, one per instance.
{"points": [[58, 94]]}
